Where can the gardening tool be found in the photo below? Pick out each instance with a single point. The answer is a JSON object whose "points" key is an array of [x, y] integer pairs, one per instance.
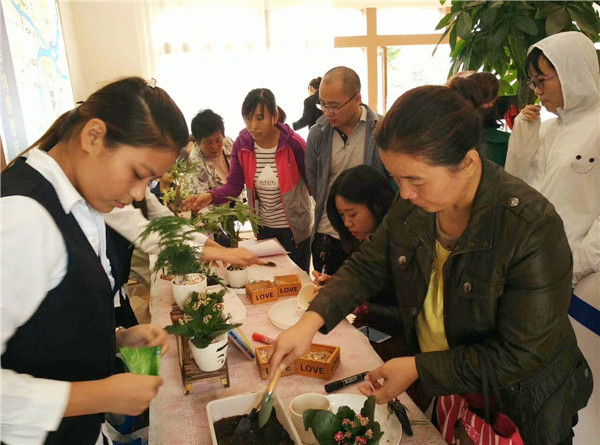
{"points": [[266, 406], [268, 264], [265, 403]]}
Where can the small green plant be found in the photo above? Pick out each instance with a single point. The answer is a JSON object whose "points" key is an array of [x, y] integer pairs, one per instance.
{"points": [[224, 218], [173, 198], [178, 254], [345, 427], [203, 319]]}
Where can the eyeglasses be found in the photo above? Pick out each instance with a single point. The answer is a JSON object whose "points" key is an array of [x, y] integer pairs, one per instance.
{"points": [[538, 82], [333, 108]]}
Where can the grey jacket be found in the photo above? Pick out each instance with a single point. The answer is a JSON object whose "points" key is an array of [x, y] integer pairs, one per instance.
{"points": [[318, 158]]}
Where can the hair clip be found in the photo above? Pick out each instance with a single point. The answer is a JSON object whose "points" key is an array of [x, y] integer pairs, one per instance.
{"points": [[151, 83]]}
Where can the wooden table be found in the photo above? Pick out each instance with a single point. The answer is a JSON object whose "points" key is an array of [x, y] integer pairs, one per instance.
{"points": [[177, 419]]}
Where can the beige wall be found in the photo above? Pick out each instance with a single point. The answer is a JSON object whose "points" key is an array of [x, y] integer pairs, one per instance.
{"points": [[104, 41]]}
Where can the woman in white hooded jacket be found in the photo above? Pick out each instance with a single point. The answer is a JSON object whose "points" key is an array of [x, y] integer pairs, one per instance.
{"points": [[560, 156]]}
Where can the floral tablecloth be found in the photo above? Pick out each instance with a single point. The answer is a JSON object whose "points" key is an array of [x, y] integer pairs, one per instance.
{"points": [[176, 419]]}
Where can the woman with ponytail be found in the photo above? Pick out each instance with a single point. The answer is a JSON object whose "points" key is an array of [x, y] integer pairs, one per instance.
{"points": [[59, 338], [481, 269]]}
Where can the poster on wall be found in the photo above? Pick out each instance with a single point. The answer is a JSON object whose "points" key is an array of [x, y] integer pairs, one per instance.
{"points": [[36, 86]]}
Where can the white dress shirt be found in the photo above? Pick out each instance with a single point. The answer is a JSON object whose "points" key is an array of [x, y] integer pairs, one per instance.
{"points": [[33, 262]]}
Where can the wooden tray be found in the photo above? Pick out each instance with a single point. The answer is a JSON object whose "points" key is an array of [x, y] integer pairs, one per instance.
{"points": [[190, 373]]}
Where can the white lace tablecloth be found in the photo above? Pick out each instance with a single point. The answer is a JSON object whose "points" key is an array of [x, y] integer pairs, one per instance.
{"points": [[176, 419]]}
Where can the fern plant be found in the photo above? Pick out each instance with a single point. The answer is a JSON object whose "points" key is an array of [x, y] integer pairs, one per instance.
{"points": [[178, 253]]}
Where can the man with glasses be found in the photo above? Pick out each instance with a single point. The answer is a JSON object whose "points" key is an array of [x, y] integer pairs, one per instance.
{"points": [[340, 139]]}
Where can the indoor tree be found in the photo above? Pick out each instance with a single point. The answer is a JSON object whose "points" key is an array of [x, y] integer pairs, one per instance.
{"points": [[495, 35]]}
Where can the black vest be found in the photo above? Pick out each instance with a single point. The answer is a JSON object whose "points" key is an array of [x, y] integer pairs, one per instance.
{"points": [[71, 336]]}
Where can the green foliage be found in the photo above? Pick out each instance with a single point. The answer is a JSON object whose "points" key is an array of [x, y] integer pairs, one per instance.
{"points": [[203, 319], [344, 427], [495, 35], [178, 254], [223, 218]]}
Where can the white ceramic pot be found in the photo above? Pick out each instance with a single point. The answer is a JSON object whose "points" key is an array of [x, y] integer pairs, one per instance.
{"points": [[236, 278], [182, 287], [213, 356]]}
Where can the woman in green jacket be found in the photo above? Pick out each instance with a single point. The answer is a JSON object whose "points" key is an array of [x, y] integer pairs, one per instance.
{"points": [[480, 264]]}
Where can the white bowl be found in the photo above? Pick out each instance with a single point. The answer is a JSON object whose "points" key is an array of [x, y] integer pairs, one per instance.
{"points": [[243, 404]]}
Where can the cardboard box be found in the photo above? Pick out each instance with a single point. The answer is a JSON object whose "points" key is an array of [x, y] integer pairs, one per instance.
{"points": [[320, 367], [287, 285], [263, 355], [261, 292]]}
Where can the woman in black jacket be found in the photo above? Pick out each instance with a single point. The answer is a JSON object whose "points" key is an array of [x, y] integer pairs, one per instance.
{"points": [[481, 269]]}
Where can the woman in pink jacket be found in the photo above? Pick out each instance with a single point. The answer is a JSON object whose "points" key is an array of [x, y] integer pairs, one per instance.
{"points": [[268, 158]]}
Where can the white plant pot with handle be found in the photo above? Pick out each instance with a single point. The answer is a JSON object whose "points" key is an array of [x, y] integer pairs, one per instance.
{"points": [[182, 287], [211, 358]]}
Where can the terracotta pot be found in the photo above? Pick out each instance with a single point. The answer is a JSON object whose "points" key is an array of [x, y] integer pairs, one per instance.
{"points": [[213, 356], [182, 287]]}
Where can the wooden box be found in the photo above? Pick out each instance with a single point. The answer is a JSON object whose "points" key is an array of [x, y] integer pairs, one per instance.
{"points": [[261, 292], [320, 362], [287, 285], [263, 355]]}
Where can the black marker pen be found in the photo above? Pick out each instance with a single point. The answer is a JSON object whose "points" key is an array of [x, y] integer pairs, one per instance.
{"points": [[334, 386]]}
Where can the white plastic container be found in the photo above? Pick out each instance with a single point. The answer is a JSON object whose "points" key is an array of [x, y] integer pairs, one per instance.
{"points": [[242, 404]]}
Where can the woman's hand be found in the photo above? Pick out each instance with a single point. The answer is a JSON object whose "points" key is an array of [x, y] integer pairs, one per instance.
{"points": [[197, 202], [131, 394], [143, 335], [320, 278], [397, 375], [238, 255], [531, 112], [295, 341]]}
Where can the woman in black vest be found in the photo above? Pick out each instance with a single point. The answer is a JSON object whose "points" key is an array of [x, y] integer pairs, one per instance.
{"points": [[58, 330]]}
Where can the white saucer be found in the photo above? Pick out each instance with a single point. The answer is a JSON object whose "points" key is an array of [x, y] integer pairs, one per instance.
{"points": [[286, 313], [390, 424]]}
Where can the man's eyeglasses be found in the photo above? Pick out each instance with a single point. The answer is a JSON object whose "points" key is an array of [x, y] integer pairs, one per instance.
{"points": [[538, 82], [333, 108]]}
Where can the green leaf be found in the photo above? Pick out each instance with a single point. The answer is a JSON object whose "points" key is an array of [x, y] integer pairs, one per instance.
{"points": [[488, 15], [526, 24], [556, 21], [368, 409], [323, 424], [589, 23], [444, 22], [463, 25], [497, 38], [496, 4]]}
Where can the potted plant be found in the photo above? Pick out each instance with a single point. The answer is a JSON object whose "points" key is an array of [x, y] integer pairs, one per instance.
{"points": [[179, 258], [206, 326], [229, 219], [344, 427], [495, 36]]}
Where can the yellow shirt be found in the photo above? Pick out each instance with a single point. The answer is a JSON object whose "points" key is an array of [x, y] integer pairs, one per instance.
{"points": [[430, 322]]}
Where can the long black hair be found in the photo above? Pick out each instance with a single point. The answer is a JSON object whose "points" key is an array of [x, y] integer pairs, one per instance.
{"points": [[360, 185]]}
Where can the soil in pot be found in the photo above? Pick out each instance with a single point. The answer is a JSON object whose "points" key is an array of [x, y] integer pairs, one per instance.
{"points": [[235, 267], [273, 433]]}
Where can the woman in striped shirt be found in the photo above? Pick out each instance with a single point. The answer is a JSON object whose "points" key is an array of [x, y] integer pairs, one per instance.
{"points": [[268, 158]]}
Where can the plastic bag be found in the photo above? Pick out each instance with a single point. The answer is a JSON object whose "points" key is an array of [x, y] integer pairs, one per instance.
{"points": [[144, 360]]}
